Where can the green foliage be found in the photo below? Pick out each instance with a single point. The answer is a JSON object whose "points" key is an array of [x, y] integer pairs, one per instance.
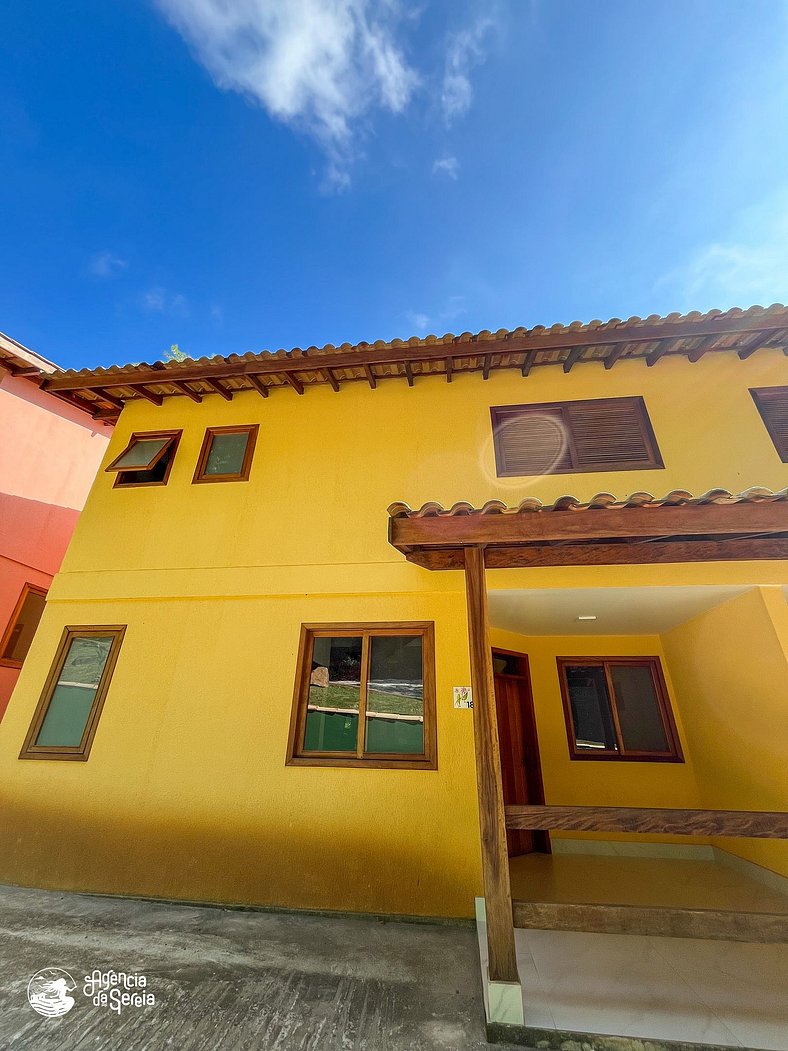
{"points": [[174, 354]]}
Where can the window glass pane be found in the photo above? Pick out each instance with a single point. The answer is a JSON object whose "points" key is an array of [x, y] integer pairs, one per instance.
{"points": [[142, 453], [22, 632], [334, 690], [227, 453], [395, 699], [639, 716], [75, 692], [590, 708]]}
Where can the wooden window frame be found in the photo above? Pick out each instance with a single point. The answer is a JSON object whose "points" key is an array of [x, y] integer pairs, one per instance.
{"points": [[202, 462], [500, 413], [80, 752], [675, 753], [9, 662], [296, 756], [174, 435], [756, 393]]}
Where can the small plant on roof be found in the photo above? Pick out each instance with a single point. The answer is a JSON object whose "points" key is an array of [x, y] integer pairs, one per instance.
{"points": [[174, 354]]}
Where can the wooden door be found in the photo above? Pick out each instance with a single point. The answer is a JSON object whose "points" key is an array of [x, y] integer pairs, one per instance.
{"points": [[521, 771]]}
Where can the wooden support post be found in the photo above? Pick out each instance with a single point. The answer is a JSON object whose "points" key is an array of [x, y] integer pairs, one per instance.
{"points": [[492, 826]]}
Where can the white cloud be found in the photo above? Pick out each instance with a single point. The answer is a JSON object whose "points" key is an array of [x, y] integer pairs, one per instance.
{"points": [[106, 264], [159, 301], [318, 65], [747, 266], [420, 322], [448, 166], [466, 50], [453, 308]]}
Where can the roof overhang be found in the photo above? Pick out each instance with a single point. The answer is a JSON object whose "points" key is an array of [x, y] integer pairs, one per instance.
{"points": [[21, 361], [678, 528], [104, 391]]}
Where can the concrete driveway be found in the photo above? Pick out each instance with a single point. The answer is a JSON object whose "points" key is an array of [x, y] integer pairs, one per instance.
{"points": [[230, 979]]}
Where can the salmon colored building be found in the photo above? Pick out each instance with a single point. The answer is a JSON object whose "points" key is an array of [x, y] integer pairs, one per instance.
{"points": [[488, 625], [50, 450]]}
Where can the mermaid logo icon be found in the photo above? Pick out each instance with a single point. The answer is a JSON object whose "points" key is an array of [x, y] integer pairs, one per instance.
{"points": [[48, 992]]}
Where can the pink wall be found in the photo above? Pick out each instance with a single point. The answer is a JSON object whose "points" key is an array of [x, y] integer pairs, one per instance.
{"points": [[49, 455]]}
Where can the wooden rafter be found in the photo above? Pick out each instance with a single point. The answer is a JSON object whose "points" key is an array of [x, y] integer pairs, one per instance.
{"points": [[573, 357], [448, 369], [487, 364], [528, 363], [258, 385], [110, 399], [332, 380], [219, 388], [409, 373], [149, 395], [187, 390], [297, 385], [370, 376]]}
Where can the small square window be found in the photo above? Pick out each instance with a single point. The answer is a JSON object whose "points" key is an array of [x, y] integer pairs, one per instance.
{"points": [[65, 720], [22, 626], [226, 454], [146, 460]]}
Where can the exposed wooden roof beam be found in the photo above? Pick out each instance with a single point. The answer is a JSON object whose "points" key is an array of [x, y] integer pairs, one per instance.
{"points": [[486, 366], [297, 385], [751, 345], [612, 356], [702, 347], [219, 388], [409, 373], [573, 357], [448, 369], [394, 355], [258, 384], [187, 390], [149, 395], [528, 362], [110, 399], [76, 402], [332, 379], [370, 376]]}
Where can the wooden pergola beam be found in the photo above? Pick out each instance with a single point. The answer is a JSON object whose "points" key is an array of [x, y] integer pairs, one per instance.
{"points": [[495, 865], [764, 327], [750, 824], [532, 556], [630, 523]]}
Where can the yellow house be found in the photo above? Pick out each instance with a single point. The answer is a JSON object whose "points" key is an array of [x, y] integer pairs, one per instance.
{"points": [[333, 618]]}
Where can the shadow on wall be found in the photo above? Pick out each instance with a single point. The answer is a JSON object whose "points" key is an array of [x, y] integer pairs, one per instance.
{"points": [[220, 861], [35, 534]]}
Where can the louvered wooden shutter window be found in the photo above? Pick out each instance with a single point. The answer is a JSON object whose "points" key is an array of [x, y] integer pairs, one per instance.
{"points": [[572, 437], [772, 403]]}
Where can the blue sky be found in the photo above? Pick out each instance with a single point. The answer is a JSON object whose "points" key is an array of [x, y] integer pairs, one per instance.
{"points": [[238, 175]]}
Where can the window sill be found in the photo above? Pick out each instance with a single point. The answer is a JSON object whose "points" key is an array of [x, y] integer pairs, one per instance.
{"points": [[364, 764]]}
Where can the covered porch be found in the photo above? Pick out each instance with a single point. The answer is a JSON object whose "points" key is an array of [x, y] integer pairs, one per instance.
{"points": [[635, 917]]}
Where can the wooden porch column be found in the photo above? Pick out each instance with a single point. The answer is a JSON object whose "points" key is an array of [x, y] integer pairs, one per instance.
{"points": [[492, 826]]}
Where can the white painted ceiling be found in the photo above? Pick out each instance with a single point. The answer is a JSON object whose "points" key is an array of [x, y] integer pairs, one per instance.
{"points": [[619, 611]]}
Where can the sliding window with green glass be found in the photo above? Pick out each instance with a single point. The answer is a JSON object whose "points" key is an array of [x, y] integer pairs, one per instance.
{"points": [[65, 720], [365, 696]]}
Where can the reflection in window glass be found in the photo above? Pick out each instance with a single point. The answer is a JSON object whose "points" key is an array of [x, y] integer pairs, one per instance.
{"points": [[395, 698], [141, 453], [639, 716], [75, 692], [227, 453], [24, 629], [334, 692], [590, 703]]}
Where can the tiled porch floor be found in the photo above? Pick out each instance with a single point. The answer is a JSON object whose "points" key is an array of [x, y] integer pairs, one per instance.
{"points": [[711, 992]]}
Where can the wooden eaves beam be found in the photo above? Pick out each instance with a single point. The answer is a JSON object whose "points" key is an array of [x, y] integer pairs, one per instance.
{"points": [[287, 367]]}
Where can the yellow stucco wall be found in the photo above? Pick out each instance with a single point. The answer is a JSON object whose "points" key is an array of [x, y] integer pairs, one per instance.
{"points": [[185, 793], [730, 667]]}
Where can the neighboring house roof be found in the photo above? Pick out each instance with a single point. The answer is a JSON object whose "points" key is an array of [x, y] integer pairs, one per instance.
{"points": [[103, 391], [20, 361]]}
